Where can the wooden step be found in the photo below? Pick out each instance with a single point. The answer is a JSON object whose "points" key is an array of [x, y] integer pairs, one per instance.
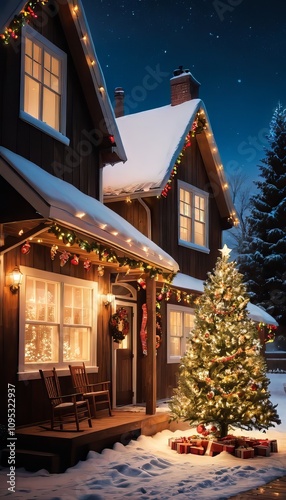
{"points": [[32, 460]]}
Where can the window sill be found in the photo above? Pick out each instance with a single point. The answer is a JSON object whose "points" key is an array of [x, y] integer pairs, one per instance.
{"points": [[193, 246], [44, 128], [62, 372]]}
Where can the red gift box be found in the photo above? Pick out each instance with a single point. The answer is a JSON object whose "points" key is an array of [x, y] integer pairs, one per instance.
{"points": [[229, 448], [183, 447], [197, 450], [173, 442], [262, 451], [214, 448], [242, 452]]}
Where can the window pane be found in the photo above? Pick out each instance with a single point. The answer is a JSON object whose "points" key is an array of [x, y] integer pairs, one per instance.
{"points": [[54, 83], [37, 71], [31, 97], [47, 78], [77, 305], [55, 67], [188, 323], [176, 323], [41, 343], [28, 65], [29, 47], [37, 53], [51, 108], [185, 229], [199, 234], [175, 346], [47, 61], [76, 344]]}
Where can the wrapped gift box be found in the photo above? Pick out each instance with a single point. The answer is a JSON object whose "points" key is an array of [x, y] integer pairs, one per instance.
{"points": [[183, 447], [273, 446], [230, 448], [197, 450], [174, 441], [262, 451], [242, 452], [214, 448]]}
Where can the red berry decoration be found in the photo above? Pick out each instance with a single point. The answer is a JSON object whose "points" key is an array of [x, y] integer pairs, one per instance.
{"points": [[201, 428], [75, 260], [26, 248]]}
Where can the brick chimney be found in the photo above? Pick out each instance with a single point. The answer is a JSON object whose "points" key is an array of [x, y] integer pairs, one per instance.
{"points": [[119, 102], [184, 86]]}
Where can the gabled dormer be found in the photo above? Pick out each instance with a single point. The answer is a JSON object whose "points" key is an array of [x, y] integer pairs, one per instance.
{"points": [[173, 187]]}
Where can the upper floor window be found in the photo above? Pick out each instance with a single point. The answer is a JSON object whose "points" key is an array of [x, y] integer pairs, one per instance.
{"points": [[57, 321], [43, 89], [180, 322], [193, 217]]}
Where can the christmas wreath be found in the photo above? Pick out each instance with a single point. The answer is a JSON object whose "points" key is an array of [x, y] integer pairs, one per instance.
{"points": [[119, 325]]}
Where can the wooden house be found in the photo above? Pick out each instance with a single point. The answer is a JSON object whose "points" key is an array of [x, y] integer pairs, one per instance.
{"points": [[173, 189], [60, 247]]}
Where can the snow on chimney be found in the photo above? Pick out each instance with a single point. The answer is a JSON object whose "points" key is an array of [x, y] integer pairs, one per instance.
{"points": [[119, 102], [184, 86]]}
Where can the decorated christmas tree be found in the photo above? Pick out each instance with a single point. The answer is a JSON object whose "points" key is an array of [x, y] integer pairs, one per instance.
{"points": [[222, 379]]}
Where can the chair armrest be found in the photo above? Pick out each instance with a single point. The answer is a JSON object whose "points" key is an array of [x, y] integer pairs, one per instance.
{"points": [[68, 396], [104, 385]]}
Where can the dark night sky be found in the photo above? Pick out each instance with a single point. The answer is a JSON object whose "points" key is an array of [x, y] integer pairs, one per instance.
{"points": [[234, 48]]}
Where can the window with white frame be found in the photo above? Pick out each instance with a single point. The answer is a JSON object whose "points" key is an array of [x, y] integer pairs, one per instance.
{"points": [[57, 320], [193, 216], [43, 89], [180, 322]]}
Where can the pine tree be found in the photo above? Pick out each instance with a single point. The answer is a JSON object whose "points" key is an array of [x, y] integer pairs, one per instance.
{"points": [[222, 378], [262, 260]]}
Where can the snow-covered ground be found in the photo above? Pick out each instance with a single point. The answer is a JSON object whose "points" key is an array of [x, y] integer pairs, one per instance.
{"points": [[148, 469]]}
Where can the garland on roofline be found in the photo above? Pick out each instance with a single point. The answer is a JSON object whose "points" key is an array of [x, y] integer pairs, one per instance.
{"points": [[106, 254], [167, 291], [19, 20], [198, 126]]}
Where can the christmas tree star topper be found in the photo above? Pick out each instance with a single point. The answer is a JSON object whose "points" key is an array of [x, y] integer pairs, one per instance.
{"points": [[225, 251]]}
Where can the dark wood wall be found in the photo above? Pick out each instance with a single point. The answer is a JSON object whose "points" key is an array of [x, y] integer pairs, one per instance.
{"points": [[77, 163], [31, 403]]}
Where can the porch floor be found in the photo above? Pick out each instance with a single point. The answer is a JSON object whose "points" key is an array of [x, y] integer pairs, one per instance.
{"points": [[39, 447]]}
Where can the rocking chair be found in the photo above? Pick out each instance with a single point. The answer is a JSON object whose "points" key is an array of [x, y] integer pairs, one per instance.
{"points": [[97, 394], [64, 408]]}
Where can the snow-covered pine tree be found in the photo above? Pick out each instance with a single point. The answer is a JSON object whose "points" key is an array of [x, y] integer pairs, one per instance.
{"points": [[262, 260], [222, 378]]}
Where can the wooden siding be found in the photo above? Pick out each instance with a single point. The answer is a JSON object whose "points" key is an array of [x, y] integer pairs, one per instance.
{"points": [[31, 403], [79, 162]]}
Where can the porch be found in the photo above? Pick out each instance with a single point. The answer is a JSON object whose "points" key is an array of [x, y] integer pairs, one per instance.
{"points": [[37, 447]]}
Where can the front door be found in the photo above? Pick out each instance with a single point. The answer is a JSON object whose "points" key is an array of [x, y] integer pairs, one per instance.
{"points": [[123, 364]]}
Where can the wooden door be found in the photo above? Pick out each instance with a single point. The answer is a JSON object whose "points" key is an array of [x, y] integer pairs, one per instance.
{"points": [[124, 365]]}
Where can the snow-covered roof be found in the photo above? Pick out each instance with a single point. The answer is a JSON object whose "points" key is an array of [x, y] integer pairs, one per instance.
{"points": [[58, 200], [153, 141], [193, 284], [9, 8]]}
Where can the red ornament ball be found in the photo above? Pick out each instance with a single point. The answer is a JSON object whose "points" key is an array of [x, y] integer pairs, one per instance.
{"points": [[201, 428]]}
